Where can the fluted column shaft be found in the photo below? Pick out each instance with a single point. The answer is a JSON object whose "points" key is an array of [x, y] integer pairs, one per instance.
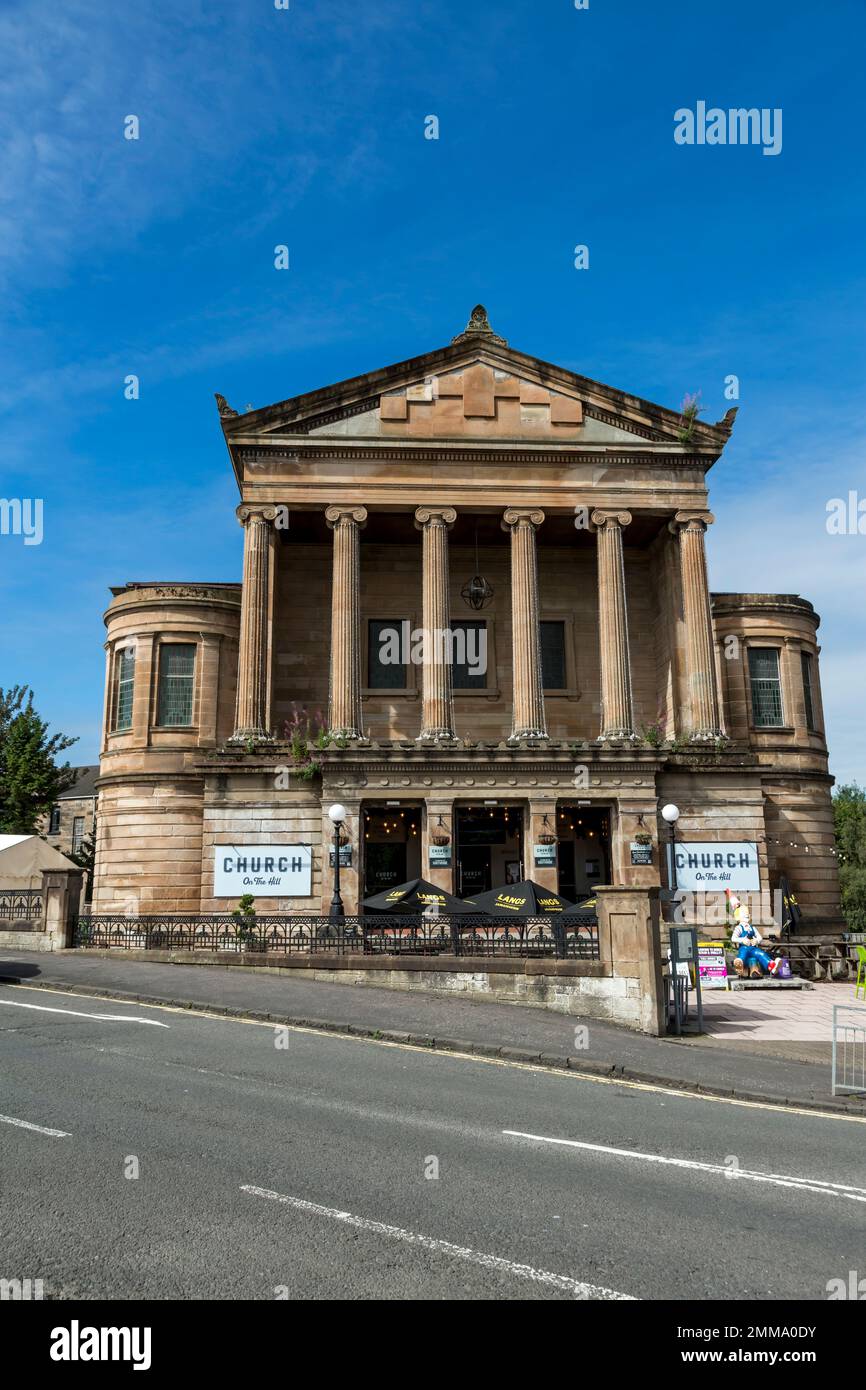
{"points": [[700, 654], [617, 715], [437, 720], [528, 716], [345, 717], [252, 710]]}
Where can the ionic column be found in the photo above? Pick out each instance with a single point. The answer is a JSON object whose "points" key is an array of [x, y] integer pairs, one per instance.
{"points": [[528, 716], [700, 659], [254, 658], [344, 718], [437, 720], [617, 717]]}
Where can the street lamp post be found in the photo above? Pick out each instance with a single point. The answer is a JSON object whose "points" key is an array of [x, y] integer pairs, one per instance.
{"points": [[337, 815], [671, 814]]}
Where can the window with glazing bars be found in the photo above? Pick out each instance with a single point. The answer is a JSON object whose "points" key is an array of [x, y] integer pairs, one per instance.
{"points": [[176, 669], [806, 665], [553, 674], [77, 833], [124, 683], [388, 644], [766, 687]]}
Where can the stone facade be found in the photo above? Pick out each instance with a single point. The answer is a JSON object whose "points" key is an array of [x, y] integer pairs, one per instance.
{"points": [[376, 501]]}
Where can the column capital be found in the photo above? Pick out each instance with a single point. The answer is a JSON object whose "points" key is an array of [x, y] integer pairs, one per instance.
{"points": [[337, 514], [696, 520], [522, 516], [267, 511], [602, 518], [436, 516]]}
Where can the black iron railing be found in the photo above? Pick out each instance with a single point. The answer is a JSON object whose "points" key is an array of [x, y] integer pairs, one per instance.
{"points": [[21, 907], [368, 936]]}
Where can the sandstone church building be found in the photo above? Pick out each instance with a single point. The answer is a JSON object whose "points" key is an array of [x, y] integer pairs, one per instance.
{"points": [[549, 528]]}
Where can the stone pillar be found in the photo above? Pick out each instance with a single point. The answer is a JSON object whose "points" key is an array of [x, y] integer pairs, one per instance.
{"points": [[61, 892], [617, 716], [440, 874], [629, 938], [208, 680], [700, 654], [252, 710], [144, 691], [344, 718], [437, 721], [539, 808], [528, 720]]}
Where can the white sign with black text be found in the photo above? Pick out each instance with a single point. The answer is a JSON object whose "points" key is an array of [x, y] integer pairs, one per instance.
{"points": [[704, 866], [266, 871]]}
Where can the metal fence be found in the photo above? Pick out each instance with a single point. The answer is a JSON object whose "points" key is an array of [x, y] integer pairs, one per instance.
{"points": [[21, 908], [849, 1050], [367, 936]]}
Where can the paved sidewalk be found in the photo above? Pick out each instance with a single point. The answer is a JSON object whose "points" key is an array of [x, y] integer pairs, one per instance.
{"points": [[760, 1016], [751, 1069]]}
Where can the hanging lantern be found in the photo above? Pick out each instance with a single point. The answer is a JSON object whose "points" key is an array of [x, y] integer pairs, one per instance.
{"points": [[478, 592], [440, 834]]}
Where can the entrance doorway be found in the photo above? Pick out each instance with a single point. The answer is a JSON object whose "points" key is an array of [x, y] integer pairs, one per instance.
{"points": [[583, 855], [489, 842], [391, 847]]}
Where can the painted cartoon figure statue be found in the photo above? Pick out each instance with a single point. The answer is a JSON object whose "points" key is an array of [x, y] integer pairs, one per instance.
{"points": [[750, 958]]}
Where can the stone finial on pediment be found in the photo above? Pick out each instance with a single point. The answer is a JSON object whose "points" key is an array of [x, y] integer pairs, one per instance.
{"points": [[478, 327]]}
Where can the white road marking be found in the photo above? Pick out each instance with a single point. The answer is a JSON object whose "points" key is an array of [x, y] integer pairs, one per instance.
{"points": [[39, 1129], [576, 1287], [819, 1185], [74, 1013]]}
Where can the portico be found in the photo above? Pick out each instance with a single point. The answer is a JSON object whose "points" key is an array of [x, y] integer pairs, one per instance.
{"points": [[435, 647]]}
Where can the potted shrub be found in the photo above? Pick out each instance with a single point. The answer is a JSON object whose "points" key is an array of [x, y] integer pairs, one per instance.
{"points": [[247, 921]]}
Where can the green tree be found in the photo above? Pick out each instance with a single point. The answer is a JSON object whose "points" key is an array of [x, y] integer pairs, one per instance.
{"points": [[30, 779], [849, 814]]}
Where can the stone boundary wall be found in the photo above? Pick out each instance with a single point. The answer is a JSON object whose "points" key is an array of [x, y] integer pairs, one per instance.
{"points": [[583, 988], [624, 986], [61, 893]]}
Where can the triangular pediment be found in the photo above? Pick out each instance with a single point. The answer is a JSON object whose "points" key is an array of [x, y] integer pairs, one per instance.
{"points": [[476, 389]]}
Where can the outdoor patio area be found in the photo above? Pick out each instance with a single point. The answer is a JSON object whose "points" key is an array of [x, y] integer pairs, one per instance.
{"points": [[767, 1015]]}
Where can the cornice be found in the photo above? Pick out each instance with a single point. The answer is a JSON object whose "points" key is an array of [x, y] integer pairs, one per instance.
{"points": [[762, 603], [254, 454]]}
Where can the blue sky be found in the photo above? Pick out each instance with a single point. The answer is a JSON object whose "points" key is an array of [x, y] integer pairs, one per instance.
{"points": [[306, 127]]}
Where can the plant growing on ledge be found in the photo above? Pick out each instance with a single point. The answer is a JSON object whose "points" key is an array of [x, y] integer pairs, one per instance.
{"points": [[307, 735], [653, 734], [689, 412]]}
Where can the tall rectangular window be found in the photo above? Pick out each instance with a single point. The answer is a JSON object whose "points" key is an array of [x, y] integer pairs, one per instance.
{"points": [[54, 823], [468, 654], [766, 687], [388, 652], [124, 684], [176, 671], [806, 665], [553, 672], [77, 834]]}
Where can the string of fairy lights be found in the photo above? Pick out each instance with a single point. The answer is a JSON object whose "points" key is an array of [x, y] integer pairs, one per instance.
{"points": [[398, 825]]}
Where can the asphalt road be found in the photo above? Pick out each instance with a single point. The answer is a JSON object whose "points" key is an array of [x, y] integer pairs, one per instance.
{"points": [[282, 1163]]}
